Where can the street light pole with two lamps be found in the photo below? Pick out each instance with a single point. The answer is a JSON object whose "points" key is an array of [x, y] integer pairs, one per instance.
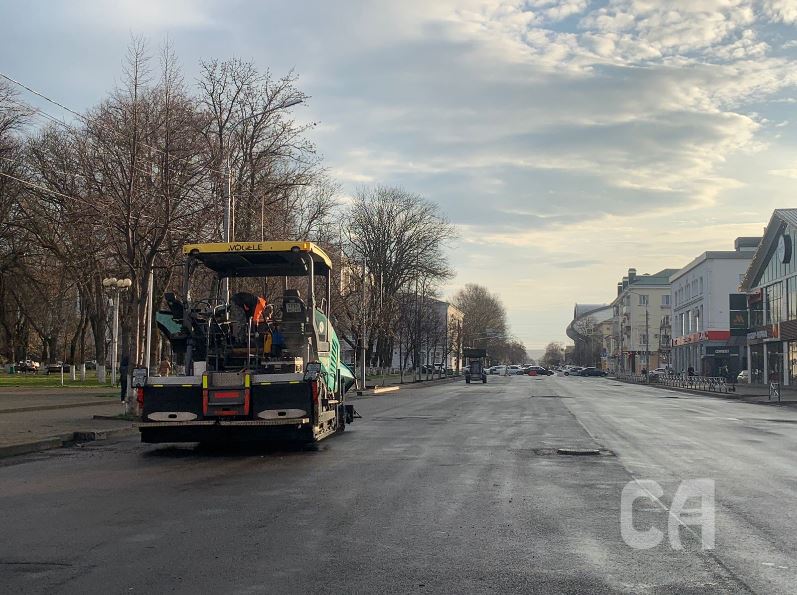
{"points": [[115, 287]]}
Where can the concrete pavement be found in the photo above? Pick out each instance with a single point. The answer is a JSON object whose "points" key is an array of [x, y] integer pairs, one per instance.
{"points": [[451, 488], [38, 419]]}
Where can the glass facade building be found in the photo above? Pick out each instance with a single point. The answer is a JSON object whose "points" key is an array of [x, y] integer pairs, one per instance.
{"points": [[771, 284]]}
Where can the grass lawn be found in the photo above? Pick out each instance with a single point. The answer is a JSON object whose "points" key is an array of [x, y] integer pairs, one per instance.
{"points": [[42, 381]]}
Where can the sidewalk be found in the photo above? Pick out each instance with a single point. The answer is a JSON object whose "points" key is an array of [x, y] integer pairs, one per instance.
{"points": [[377, 389], [748, 393], [34, 419]]}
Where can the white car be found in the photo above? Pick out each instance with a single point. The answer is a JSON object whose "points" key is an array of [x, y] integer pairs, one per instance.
{"points": [[500, 370]]}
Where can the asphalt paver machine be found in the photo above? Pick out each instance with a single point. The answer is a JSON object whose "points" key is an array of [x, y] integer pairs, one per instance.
{"points": [[254, 367], [474, 365]]}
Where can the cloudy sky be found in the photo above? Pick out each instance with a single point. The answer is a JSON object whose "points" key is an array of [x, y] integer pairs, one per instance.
{"points": [[568, 140]]}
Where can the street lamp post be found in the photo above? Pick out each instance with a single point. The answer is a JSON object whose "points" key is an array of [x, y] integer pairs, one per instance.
{"points": [[227, 187], [647, 328], [227, 232], [115, 286]]}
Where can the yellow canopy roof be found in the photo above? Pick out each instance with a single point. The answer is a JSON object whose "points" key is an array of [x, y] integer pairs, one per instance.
{"points": [[259, 259]]}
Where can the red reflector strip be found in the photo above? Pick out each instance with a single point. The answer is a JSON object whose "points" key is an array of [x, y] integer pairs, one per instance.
{"points": [[226, 394]]}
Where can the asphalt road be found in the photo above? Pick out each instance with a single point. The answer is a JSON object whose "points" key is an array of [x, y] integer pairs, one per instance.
{"points": [[440, 490]]}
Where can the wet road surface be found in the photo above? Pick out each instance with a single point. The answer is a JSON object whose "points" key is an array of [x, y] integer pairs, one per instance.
{"points": [[451, 488]]}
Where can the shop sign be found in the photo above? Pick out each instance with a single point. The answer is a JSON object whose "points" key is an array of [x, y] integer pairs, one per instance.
{"points": [[702, 336], [723, 351], [740, 319], [771, 331]]}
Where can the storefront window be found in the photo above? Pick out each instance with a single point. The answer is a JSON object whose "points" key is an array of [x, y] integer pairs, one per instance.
{"points": [[757, 314], [757, 364], [791, 298], [775, 361], [773, 303], [792, 362]]}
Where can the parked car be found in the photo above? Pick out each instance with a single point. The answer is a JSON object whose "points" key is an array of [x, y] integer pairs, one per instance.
{"points": [[592, 371], [498, 370], [27, 365], [513, 370], [743, 377], [57, 368], [538, 371], [658, 372], [573, 371], [91, 364]]}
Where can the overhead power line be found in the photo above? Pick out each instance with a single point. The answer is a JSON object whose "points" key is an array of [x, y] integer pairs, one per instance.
{"points": [[46, 190], [86, 120], [53, 101]]}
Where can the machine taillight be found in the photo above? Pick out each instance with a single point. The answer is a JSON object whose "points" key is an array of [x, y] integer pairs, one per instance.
{"points": [[314, 388], [140, 397]]}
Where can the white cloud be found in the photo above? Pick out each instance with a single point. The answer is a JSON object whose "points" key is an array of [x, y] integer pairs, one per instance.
{"points": [[144, 15], [544, 128], [783, 11], [785, 173]]}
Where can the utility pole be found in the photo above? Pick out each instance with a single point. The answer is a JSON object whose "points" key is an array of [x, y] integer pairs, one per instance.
{"points": [[620, 330], [647, 337], [362, 332], [417, 356], [226, 187], [115, 335], [148, 347]]}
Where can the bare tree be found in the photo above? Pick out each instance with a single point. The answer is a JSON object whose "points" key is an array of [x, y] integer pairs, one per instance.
{"points": [[484, 317], [250, 133], [554, 354], [118, 192], [397, 239], [13, 239], [588, 343]]}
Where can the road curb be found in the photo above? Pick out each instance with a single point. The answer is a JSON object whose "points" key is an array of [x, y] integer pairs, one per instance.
{"points": [[68, 439], [23, 448], [57, 406], [379, 390]]}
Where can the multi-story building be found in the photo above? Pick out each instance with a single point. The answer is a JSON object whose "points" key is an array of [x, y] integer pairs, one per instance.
{"points": [[641, 311], [701, 325], [771, 285], [440, 341], [589, 328]]}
